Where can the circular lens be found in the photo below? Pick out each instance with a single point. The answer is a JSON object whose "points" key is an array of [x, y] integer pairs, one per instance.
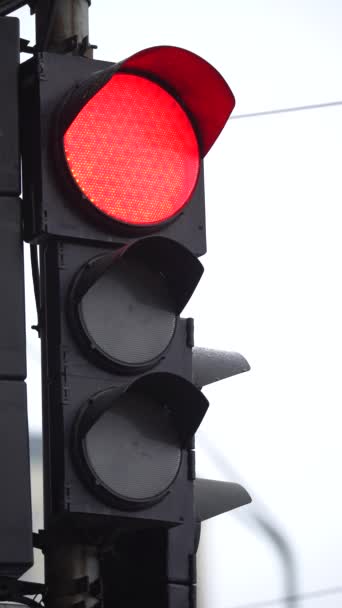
{"points": [[128, 314], [133, 450], [133, 152]]}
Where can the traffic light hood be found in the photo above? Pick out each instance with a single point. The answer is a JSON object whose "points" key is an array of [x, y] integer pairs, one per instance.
{"points": [[179, 267], [139, 289], [211, 365], [215, 497], [191, 80], [186, 403], [145, 427], [199, 86]]}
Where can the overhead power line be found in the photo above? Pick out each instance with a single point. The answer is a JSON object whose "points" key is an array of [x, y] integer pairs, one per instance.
{"points": [[314, 106], [299, 597]]}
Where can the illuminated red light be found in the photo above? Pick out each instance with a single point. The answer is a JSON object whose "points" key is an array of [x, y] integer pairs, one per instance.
{"points": [[133, 152]]}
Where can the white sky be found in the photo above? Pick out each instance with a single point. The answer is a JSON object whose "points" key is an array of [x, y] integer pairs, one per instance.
{"points": [[272, 286]]}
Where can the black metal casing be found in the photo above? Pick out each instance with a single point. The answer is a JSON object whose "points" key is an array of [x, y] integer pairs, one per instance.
{"points": [[12, 302], [16, 552], [9, 124]]}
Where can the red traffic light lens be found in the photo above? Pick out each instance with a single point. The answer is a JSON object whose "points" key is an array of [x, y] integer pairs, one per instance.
{"points": [[133, 152]]}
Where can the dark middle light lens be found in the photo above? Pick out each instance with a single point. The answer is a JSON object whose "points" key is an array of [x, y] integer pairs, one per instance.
{"points": [[138, 433], [127, 314]]}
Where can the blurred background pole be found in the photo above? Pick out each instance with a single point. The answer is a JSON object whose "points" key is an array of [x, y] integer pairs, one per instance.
{"points": [[257, 515]]}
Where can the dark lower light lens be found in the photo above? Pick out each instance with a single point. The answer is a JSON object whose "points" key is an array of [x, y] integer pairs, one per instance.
{"points": [[133, 450], [127, 315]]}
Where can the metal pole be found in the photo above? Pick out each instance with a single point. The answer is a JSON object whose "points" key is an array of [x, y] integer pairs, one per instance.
{"points": [[63, 26], [72, 575]]}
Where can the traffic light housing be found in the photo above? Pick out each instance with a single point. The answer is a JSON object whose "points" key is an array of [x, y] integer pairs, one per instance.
{"points": [[114, 196], [16, 552]]}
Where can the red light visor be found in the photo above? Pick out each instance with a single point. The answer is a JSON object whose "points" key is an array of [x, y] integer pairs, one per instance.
{"points": [[133, 152]]}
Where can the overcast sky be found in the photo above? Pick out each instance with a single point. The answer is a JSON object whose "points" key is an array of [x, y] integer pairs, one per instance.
{"points": [[272, 283]]}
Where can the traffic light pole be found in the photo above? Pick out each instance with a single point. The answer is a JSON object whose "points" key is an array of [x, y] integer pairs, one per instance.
{"points": [[72, 574], [63, 26]]}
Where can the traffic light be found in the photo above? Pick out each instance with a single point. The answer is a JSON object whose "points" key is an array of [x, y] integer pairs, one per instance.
{"points": [[114, 195], [15, 502]]}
